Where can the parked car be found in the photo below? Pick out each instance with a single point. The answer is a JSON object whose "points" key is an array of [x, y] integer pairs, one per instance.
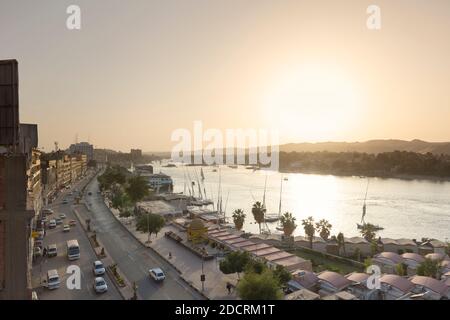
{"points": [[52, 279], [90, 193], [37, 251], [66, 228], [44, 220], [52, 251], [100, 285], [65, 201], [39, 243], [47, 212], [72, 223], [157, 274], [52, 224], [58, 221], [99, 269]]}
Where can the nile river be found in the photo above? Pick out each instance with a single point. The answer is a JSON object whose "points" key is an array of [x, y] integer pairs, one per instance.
{"points": [[405, 208]]}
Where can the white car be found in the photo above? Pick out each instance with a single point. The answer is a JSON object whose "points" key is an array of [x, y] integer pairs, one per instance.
{"points": [[66, 228], [157, 274], [52, 224], [62, 216], [99, 269], [100, 285]]}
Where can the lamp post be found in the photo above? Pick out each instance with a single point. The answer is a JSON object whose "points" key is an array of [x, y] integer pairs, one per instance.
{"points": [[202, 276]]}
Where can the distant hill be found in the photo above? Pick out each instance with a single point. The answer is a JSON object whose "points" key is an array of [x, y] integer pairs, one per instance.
{"points": [[371, 146]]}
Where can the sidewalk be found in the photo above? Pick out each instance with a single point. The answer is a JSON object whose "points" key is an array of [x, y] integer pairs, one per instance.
{"points": [[189, 264]]}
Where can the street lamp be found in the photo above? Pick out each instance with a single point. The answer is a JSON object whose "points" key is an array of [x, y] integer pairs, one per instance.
{"points": [[202, 276]]}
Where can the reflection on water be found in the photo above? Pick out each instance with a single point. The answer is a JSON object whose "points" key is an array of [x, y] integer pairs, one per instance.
{"points": [[406, 209]]}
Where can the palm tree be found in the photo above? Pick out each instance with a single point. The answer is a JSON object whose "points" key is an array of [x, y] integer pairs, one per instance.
{"points": [[288, 223], [259, 212], [368, 231], [310, 230], [238, 218], [341, 242], [324, 228]]}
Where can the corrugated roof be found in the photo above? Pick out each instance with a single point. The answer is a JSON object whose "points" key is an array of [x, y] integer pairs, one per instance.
{"points": [[413, 256], [391, 256], [398, 282], [335, 279], [357, 276], [430, 283]]}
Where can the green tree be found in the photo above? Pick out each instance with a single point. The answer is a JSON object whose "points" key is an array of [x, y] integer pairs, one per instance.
{"points": [[235, 262], [151, 223], [239, 218], [121, 201], [137, 188], [288, 223], [367, 262], [341, 242], [255, 266], [112, 175], [259, 212], [400, 269], [429, 268], [368, 231], [264, 286], [282, 275], [310, 230], [324, 228]]}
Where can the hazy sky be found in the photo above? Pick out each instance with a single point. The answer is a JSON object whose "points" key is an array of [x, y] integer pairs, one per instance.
{"points": [[137, 70]]}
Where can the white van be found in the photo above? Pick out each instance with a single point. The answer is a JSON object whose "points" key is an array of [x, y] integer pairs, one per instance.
{"points": [[52, 279], [73, 250]]}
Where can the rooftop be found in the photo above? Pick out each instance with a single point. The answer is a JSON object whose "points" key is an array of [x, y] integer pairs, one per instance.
{"points": [[390, 256], [413, 256], [335, 279], [430, 283], [302, 294], [357, 276], [398, 282], [158, 207]]}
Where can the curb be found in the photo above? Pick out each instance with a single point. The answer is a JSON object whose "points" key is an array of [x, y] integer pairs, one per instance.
{"points": [[142, 244], [160, 255], [155, 251], [95, 253], [195, 288]]}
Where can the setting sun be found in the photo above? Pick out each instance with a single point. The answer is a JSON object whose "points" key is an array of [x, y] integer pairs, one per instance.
{"points": [[312, 102]]}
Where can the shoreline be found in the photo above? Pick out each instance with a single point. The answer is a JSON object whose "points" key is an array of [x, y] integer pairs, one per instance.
{"points": [[408, 177]]}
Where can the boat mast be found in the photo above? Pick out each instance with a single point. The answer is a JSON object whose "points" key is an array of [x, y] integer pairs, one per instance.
{"points": [[364, 205]]}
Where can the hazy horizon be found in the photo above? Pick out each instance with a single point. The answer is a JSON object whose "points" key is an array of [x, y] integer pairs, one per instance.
{"points": [[311, 69]]}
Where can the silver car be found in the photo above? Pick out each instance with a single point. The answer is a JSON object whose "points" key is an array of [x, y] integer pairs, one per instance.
{"points": [[100, 285], [99, 269]]}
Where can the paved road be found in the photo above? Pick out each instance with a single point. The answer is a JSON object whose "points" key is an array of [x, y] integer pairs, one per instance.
{"points": [[133, 259], [58, 237]]}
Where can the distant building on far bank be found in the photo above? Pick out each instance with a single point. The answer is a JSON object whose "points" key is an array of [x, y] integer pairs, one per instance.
{"points": [[136, 154], [84, 148]]}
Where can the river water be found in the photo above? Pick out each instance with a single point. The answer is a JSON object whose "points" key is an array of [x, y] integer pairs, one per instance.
{"points": [[405, 208]]}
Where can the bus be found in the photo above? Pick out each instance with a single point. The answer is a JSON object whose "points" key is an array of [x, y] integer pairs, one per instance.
{"points": [[73, 250]]}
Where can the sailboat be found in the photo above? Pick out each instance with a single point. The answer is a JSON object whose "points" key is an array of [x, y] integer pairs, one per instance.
{"points": [[265, 228], [274, 217], [202, 175], [363, 223]]}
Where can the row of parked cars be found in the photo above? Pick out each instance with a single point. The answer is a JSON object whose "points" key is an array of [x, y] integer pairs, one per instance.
{"points": [[100, 285]]}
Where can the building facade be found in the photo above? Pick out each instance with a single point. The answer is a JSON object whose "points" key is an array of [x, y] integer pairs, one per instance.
{"points": [[83, 148]]}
